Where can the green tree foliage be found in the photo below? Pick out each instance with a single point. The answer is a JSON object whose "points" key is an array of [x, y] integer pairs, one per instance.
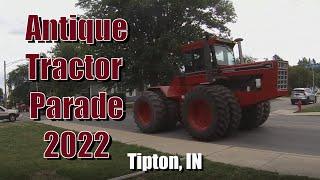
{"points": [[68, 88], [158, 28], [300, 76], [18, 84]]}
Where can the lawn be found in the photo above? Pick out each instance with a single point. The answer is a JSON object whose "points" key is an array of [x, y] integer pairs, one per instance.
{"points": [[21, 158], [315, 108]]}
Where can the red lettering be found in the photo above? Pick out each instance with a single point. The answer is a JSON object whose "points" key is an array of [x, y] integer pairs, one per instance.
{"points": [[33, 28], [59, 71], [37, 102], [115, 108], [120, 29], [63, 29], [116, 64], [102, 68], [33, 72], [88, 59]]}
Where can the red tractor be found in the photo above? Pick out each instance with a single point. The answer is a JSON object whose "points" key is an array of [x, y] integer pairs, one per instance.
{"points": [[215, 95]]}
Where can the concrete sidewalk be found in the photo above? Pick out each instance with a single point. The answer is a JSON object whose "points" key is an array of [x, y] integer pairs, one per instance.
{"points": [[281, 162], [291, 112]]}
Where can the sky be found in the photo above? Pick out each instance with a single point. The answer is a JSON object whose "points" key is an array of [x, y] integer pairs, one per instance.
{"points": [[289, 28]]}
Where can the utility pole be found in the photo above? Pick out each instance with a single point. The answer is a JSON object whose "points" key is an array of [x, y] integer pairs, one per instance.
{"points": [[312, 78], [313, 64], [5, 84]]}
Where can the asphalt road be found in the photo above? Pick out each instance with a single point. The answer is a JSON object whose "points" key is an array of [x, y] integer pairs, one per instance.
{"points": [[292, 134]]}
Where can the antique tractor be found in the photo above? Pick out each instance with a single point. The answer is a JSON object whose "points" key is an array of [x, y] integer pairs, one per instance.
{"points": [[215, 95]]}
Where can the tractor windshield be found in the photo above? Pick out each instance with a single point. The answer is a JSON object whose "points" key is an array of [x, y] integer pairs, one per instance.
{"points": [[224, 55]]}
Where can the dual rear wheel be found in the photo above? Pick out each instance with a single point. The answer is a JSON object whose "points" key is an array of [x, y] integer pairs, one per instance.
{"points": [[208, 113], [153, 112]]}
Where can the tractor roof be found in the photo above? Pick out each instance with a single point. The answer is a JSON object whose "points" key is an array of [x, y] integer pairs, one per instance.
{"points": [[201, 43]]}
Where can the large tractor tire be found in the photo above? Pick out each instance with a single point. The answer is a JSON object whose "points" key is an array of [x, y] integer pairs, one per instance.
{"points": [[173, 114], [234, 110], [266, 112], [255, 116], [205, 113], [150, 112]]}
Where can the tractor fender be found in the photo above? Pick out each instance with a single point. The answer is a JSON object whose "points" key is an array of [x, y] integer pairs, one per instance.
{"points": [[168, 91]]}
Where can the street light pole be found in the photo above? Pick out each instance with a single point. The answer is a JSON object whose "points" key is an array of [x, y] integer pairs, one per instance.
{"points": [[313, 78], [313, 65], [5, 84]]}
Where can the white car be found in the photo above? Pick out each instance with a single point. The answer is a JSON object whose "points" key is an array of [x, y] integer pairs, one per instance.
{"points": [[305, 95], [10, 114]]}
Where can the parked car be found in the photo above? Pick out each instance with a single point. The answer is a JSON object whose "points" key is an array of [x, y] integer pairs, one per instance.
{"points": [[305, 95], [10, 114]]}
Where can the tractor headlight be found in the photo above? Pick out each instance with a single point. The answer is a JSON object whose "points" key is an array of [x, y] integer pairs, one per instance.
{"points": [[258, 83]]}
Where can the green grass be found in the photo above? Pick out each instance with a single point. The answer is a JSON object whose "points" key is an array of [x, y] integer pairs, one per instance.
{"points": [[21, 152], [315, 108], [222, 172], [21, 158]]}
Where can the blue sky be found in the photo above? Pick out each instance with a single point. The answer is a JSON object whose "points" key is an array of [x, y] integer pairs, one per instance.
{"points": [[289, 28]]}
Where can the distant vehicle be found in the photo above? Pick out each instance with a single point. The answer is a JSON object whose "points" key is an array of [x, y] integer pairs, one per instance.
{"points": [[10, 114], [305, 95]]}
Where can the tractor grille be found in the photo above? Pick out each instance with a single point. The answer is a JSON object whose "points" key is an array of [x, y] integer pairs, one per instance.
{"points": [[282, 75]]}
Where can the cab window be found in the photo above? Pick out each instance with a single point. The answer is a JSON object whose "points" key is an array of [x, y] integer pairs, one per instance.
{"points": [[193, 61], [224, 55]]}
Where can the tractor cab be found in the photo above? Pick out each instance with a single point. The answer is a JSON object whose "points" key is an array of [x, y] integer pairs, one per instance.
{"points": [[208, 54]]}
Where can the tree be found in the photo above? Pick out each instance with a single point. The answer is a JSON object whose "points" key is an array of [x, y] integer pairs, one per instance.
{"points": [[304, 62], [157, 31], [18, 85], [300, 77], [68, 88], [1, 92]]}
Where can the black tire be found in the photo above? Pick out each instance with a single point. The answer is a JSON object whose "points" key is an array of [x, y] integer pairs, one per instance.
{"points": [[210, 125], [266, 112], [173, 113], [234, 110], [150, 112], [293, 102], [12, 117], [254, 116]]}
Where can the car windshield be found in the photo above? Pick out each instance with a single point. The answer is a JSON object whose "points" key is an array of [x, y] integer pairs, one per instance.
{"points": [[298, 91], [224, 55], [2, 108]]}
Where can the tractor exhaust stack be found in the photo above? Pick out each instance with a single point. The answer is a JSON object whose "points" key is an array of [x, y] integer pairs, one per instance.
{"points": [[238, 41]]}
